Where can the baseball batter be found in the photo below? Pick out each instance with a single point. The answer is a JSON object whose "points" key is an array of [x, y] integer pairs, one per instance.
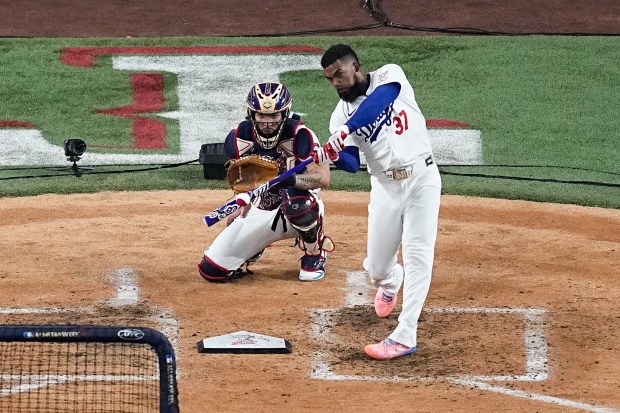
{"points": [[290, 210], [378, 115]]}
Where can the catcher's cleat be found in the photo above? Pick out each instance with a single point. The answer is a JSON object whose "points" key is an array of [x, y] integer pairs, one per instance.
{"points": [[255, 257], [384, 303], [252, 260], [313, 267], [388, 349]]}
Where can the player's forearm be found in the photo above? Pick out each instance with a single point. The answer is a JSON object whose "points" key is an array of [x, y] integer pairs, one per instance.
{"points": [[309, 180], [348, 159], [314, 177], [305, 181]]}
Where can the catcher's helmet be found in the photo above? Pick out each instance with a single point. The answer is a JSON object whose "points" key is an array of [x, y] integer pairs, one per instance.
{"points": [[268, 98]]}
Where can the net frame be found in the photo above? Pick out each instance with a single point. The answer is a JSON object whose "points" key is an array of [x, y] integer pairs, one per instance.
{"points": [[114, 335]]}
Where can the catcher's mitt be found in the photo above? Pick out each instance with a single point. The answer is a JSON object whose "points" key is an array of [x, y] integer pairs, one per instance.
{"points": [[248, 172]]}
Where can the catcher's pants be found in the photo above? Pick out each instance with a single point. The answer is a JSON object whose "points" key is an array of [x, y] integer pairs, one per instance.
{"points": [[405, 213], [245, 237]]}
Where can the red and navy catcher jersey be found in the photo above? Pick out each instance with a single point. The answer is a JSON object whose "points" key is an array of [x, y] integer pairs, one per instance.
{"points": [[295, 144]]}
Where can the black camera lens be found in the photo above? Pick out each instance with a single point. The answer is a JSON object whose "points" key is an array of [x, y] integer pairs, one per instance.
{"points": [[74, 147]]}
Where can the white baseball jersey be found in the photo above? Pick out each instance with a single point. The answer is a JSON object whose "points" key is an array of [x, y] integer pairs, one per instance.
{"points": [[404, 207], [398, 135]]}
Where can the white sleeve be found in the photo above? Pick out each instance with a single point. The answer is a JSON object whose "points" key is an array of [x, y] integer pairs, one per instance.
{"points": [[338, 118], [390, 74]]}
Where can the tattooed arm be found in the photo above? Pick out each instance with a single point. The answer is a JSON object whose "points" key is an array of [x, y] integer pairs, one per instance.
{"points": [[316, 176]]}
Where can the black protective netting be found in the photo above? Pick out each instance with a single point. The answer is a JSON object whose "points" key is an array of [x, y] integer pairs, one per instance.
{"points": [[78, 377]]}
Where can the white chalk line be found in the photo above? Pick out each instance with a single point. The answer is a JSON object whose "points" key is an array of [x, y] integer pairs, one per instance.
{"points": [[536, 349], [43, 310], [47, 380], [533, 396], [127, 293], [127, 290], [358, 288]]}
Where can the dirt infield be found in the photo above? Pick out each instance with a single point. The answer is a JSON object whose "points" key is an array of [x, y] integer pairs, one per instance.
{"points": [[525, 292]]}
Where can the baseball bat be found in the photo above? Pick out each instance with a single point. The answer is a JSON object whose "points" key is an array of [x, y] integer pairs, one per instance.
{"points": [[228, 208]]}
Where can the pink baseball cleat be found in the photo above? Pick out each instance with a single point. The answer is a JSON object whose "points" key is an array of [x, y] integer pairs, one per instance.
{"points": [[384, 303], [388, 349]]}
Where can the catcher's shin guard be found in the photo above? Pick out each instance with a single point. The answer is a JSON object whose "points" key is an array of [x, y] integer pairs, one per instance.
{"points": [[214, 273], [302, 211]]}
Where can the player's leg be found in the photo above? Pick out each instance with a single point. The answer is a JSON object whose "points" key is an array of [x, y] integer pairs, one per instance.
{"points": [[239, 242], [418, 249], [384, 235], [304, 211]]}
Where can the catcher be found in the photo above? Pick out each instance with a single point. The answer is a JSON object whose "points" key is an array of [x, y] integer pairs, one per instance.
{"points": [[264, 145]]}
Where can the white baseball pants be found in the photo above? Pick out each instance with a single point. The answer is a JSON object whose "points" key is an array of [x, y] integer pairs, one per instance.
{"points": [[404, 213]]}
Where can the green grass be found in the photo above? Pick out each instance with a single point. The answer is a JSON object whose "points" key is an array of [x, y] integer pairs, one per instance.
{"points": [[538, 100]]}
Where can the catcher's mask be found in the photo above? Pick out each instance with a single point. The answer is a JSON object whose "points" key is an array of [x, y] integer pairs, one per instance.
{"points": [[268, 99]]}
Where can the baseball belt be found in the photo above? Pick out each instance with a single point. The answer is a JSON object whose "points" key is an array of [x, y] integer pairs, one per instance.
{"points": [[406, 171]]}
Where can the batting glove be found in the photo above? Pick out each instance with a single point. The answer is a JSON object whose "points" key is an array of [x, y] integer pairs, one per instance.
{"points": [[337, 139], [335, 144], [325, 154]]}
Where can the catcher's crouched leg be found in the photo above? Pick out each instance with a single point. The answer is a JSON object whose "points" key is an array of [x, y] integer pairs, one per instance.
{"points": [[303, 212], [214, 273]]}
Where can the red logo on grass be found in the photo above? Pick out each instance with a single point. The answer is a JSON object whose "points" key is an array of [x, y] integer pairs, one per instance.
{"points": [[148, 88]]}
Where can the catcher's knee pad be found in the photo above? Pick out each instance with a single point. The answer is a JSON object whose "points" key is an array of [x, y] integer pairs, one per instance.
{"points": [[213, 272], [302, 211]]}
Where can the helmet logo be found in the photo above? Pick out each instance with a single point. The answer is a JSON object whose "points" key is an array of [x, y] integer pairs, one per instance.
{"points": [[269, 99]]}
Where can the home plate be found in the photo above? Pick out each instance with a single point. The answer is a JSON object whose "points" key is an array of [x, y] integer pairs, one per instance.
{"points": [[244, 342]]}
